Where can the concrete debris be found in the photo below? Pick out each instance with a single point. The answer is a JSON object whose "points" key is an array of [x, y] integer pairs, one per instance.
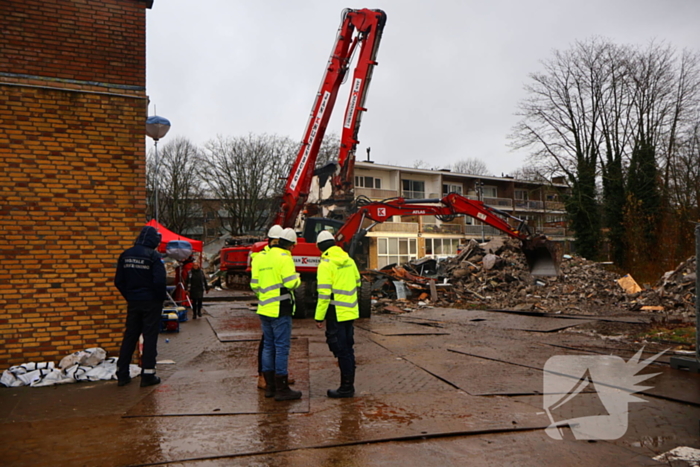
{"points": [[496, 276]]}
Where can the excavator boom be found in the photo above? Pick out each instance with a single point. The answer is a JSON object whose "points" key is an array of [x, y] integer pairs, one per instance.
{"points": [[359, 30]]}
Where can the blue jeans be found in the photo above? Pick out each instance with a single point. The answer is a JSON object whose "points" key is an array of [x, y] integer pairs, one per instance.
{"points": [[277, 333]]}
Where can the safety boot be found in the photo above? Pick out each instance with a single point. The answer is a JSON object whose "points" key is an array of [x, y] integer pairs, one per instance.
{"points": [[149, 379], [269, 383], [346, 389], [262, 383], [282, 390]]}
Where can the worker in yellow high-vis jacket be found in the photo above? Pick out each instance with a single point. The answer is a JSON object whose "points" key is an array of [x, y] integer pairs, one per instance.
{"points": [[273, 236], [338, 285], [273, 279]]}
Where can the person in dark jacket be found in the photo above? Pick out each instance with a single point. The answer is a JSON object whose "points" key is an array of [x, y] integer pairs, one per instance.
{"points": [[197, 285], [140, 278]]}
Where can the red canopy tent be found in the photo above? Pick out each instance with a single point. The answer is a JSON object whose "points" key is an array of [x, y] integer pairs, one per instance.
{"points": [[168, 235], [181, 295]]}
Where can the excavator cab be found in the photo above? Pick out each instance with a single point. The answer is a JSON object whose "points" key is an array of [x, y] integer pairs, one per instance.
{"points": [[542, 255]]}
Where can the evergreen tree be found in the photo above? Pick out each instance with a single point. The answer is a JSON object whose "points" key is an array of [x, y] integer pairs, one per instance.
{"points": [[583, 210], [643, 190], [613, 208]]}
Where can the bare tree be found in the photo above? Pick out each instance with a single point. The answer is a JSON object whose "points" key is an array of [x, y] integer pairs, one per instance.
{"points": [[247, 174], [618, 116], [531, 173], [559, 124], [684, 173], [421, 164], [471, 165], [179, 186]]}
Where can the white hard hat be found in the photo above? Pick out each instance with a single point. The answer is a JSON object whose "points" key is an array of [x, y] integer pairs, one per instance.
{"points": [[289, 234], [275, 231], [323, 236]]}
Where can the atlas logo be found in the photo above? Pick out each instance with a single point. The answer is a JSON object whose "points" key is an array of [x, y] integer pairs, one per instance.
{"points": [[591, 394]]}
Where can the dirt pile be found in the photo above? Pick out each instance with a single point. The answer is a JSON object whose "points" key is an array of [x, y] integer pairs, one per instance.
{"points": [[495, 275]]}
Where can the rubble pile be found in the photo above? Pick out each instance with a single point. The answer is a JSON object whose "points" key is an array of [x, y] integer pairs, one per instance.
{"points": [[495, 275], [675, 289]]}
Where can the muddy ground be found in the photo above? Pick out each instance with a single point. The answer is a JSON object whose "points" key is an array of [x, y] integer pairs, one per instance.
{"points": [[435, 386]]}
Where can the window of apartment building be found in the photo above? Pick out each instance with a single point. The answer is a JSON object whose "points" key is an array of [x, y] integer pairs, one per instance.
{"points": [[490, 191], [368, 182], [413, 188], [448, 188], [441, 247], [395, 250], [521, 195]]}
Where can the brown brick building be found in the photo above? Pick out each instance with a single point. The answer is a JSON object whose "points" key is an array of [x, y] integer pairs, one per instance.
{"points": [[73, 106]]}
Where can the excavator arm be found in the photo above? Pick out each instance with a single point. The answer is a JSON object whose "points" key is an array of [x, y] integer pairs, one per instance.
{"points": [[540, 253], [359, 29]]}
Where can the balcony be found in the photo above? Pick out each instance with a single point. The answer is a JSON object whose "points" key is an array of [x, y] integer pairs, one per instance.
{"points": [[410, 194], [529, 205], [454, 229], [397, 227], [499, 203], [376, 193], [476, 231], [555, 206], [557, 232]]}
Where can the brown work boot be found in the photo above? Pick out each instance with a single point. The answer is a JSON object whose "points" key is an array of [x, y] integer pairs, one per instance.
{"points": [[261, 381], [282, 390], [269, 377]]}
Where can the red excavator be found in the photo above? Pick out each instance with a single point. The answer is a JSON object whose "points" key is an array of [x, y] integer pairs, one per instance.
{"points": [[360, 31], [350, 235]]}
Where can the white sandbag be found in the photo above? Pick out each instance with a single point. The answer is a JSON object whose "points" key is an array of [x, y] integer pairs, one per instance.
{"points": [[87, 357], [9, 380], [77, 372], [30, 366], [104, 371], [96, 355], [32, 376], [51, 377]]}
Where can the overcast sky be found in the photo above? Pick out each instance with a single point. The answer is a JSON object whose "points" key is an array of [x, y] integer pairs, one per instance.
{"points": [[449, 79]]}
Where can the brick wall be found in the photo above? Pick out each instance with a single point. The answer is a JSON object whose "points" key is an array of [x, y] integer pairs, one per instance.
{"points": [[87, 40], [72, 159]]}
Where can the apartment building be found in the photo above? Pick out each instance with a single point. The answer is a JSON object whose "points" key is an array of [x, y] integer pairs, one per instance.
{"points": [[406, 238]]}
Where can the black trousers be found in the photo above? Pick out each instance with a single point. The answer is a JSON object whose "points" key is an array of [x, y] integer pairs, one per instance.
{"points": [[142, 317], [340, 337], [197, 305]]}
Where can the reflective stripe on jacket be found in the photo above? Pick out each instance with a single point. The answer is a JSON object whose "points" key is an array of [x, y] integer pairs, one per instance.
{"points": [[273, 277], [253, 275], [338, 284]]}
